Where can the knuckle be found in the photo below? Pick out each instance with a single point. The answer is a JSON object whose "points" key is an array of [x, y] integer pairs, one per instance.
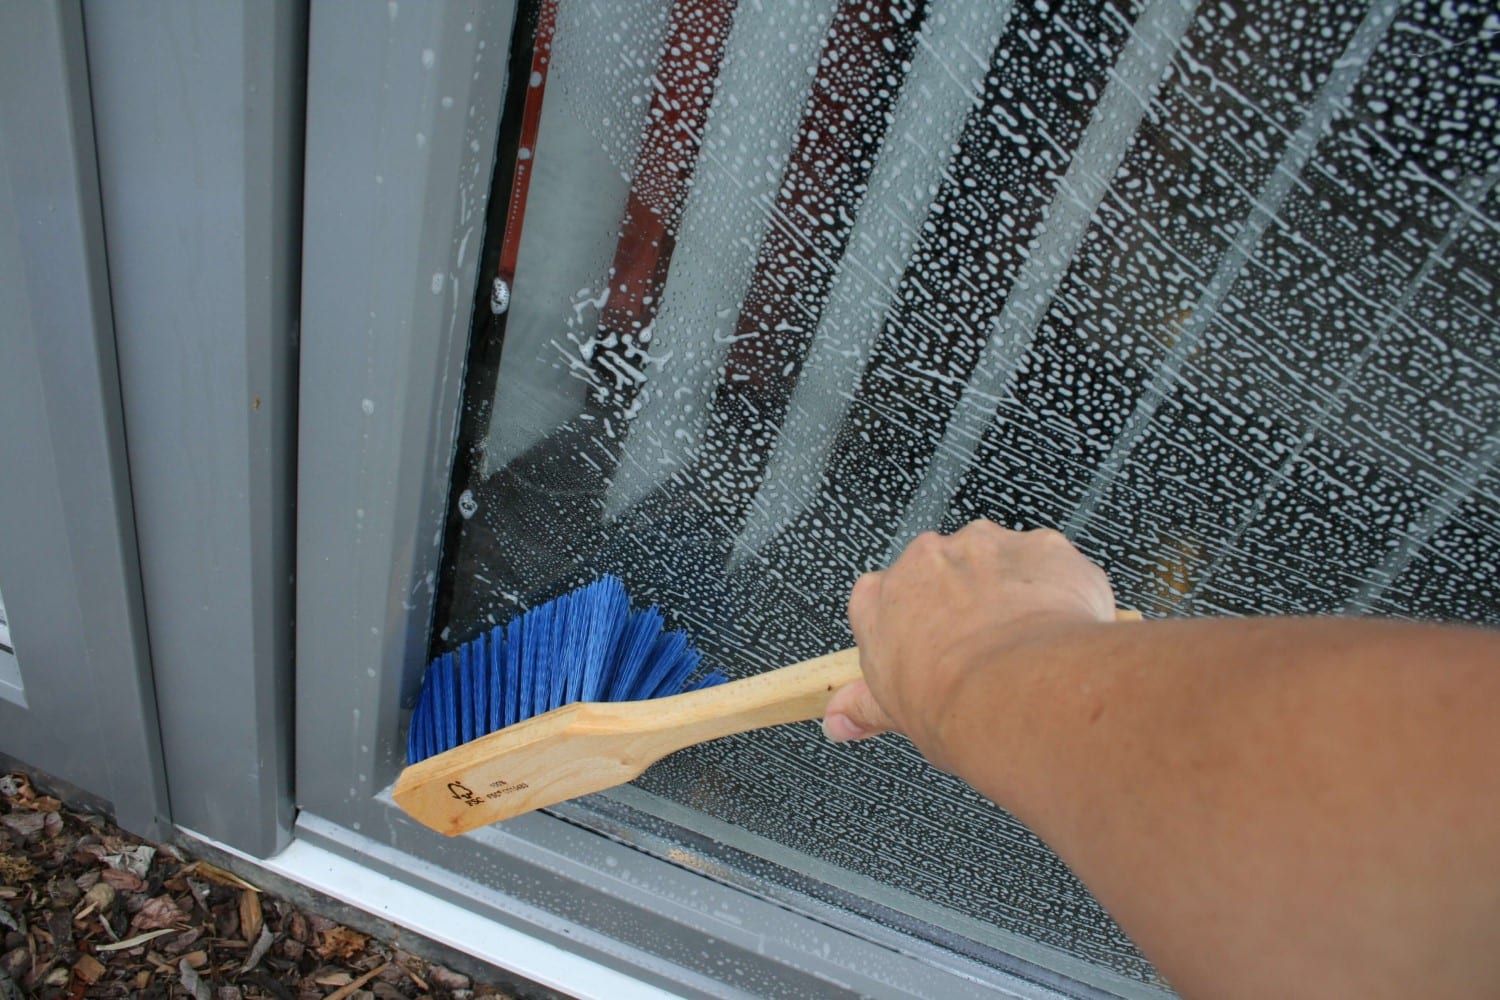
{"points": [[927, 539], [925, 545], [1050, 536], [987, 533]]}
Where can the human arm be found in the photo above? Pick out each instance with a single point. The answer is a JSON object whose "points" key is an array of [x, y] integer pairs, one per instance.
{"points": [[1269, 807]]}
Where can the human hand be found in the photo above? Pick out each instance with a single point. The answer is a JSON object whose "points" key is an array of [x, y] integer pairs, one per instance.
{"points": [[950, 607]]}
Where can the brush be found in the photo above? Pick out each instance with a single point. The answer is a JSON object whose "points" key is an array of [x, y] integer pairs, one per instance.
{"points": [[578, 695]]}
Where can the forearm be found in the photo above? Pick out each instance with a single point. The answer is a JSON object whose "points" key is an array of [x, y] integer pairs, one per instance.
{"points": [[1264, 804]]}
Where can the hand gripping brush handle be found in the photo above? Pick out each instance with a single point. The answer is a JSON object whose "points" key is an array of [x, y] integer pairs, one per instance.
{"points": [[588, 746]]}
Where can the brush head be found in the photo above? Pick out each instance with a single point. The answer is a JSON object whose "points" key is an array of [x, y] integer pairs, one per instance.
{"points": [[587, 645]]}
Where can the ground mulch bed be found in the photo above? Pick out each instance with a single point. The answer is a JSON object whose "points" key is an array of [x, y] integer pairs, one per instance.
{"points": [[89, 911]]}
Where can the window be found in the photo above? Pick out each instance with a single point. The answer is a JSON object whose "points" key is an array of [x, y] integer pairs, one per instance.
{"points": [[1209, 286], [10, 673]]}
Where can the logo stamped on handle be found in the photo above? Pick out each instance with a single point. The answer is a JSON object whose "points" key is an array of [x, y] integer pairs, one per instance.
{"points": [[464, 793]]}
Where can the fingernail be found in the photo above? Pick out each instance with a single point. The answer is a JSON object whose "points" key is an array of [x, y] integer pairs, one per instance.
{"points": [[840, 728]]}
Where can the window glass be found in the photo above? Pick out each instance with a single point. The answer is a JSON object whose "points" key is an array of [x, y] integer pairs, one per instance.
{"points": [[10, 672], [5, 646], [1210, 286]]}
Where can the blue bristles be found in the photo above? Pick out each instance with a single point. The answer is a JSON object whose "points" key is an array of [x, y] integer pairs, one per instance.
{"points": [[587, 645]]}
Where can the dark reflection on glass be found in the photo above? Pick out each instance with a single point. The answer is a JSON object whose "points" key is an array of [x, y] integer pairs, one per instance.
{"points": [[1211, 287]]}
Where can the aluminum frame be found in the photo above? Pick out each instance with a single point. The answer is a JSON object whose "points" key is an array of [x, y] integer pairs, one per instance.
{"points": [[197, 118], [84, 709], [395, 194]]}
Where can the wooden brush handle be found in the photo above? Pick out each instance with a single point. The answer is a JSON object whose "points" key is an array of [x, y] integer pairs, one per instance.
{"points": [[590, 746], [790, 694]]}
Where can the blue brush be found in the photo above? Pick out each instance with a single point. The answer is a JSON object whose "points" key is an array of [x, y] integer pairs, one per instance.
{"points": [[587, 645], [575, 696]]}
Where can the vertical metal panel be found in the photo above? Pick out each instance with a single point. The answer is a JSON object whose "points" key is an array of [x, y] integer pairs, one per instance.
{"points": [[403, 105], [198, 113], [67, 540]]}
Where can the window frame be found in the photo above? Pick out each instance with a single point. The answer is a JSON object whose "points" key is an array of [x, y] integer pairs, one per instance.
{"points": [[394, 199], [77, 698]]}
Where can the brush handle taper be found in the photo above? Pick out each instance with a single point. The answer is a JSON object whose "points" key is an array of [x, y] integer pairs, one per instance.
{"points": [[590, 746]]}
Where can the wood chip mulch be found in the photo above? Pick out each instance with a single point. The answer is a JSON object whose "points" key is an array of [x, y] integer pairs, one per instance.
{"points": [[89, 911]]}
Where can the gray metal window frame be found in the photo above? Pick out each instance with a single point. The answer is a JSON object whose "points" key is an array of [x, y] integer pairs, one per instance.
{"points": [[197, 118], [394, 200], [85, 709]]}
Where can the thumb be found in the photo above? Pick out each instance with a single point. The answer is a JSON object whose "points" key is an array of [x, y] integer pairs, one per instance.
{"points": [[852, 714]]}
